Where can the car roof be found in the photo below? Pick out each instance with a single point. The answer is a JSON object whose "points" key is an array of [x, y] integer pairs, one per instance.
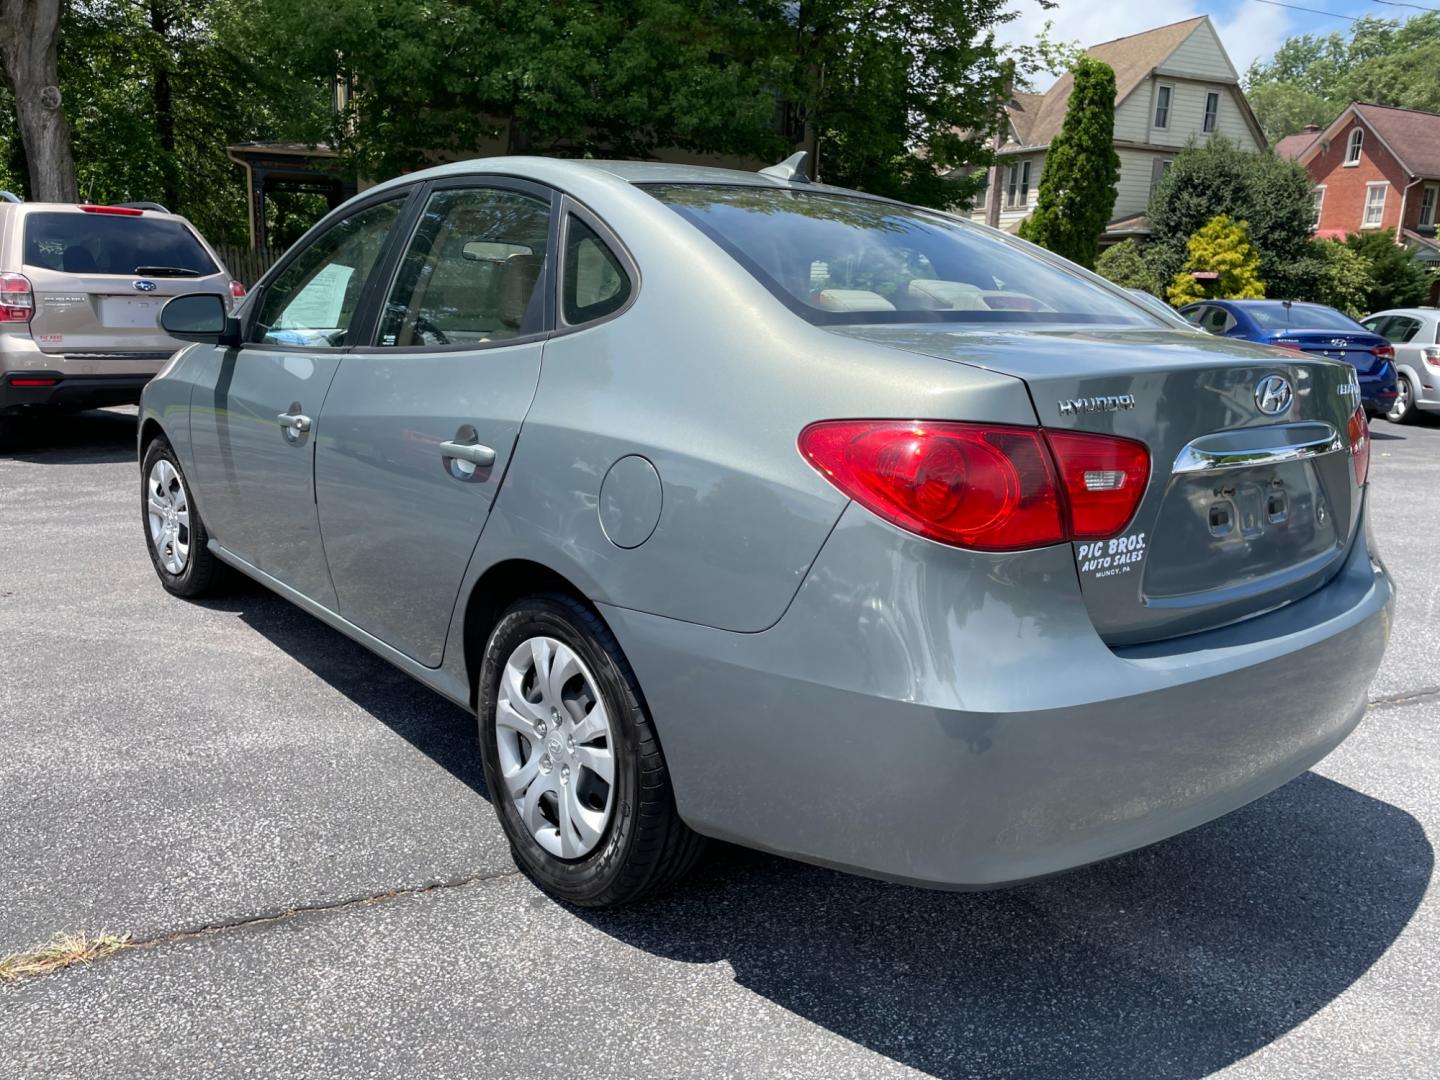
{"points": [[1413, 312], [79, 208]]}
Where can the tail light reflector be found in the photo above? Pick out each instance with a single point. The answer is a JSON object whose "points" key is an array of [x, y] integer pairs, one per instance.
{"points": [[1103, 477], [17, 301], [120, 211], [1384, 352], [25, 381], [1359, 432], [982, 486]]}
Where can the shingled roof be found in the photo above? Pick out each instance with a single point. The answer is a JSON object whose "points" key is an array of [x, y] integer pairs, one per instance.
{"points": [[1292, 146], [1412, 136], [1037, 118]]}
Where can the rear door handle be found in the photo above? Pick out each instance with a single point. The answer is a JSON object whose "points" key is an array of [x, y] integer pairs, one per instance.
{"points": [[294, 421], [475, 453]]}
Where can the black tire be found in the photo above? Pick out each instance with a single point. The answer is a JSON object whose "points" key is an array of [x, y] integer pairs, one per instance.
{"points": [[645, 846], [202, 574], [1404, 410]]}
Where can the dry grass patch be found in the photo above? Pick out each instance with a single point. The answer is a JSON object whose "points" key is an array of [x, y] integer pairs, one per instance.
{"points": [[62, 951]]}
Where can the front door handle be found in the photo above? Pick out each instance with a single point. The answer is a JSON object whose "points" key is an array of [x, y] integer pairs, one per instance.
{"points": [[476, 454], [296, 422]]}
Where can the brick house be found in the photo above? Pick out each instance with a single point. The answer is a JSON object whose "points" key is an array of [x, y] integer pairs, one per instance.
{"points": [[1375, 167], [1173, 84]]}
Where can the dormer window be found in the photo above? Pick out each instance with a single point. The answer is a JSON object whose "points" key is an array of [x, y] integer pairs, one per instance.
{"points": [[1162, 106], [1352, 148]]}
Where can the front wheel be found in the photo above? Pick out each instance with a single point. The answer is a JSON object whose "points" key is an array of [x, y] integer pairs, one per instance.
{"points": [[174, 533], [1403, 410], [572, 762]]}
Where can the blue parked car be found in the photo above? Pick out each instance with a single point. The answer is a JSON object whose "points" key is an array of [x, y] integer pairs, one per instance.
{"points": [[1312, 328]]}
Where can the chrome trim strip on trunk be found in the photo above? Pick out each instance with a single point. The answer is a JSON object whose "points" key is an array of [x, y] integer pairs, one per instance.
{"points": [[1227, 450]]}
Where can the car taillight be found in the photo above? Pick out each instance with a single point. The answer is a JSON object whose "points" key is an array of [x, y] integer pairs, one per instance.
{"points": [[1432, 356], [1103, 477], [982, 486], [1359, 432], [1384, 352], [17, 301], [122, 211]]}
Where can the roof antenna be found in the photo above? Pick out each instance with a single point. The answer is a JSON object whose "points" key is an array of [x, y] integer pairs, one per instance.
{"points": [[792, 169]]}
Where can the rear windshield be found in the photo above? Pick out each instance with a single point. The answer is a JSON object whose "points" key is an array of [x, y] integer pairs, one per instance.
{"points": [[836, 259], [112, 244], [1278, 316]]}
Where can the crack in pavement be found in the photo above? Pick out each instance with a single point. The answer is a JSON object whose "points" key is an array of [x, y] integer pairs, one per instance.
{"points": [[272, 918], [1405, 697]]}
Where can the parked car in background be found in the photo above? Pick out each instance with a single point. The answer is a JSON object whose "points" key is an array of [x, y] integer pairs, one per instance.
{"points": [[1311, 328], [1415, 335], [739, 506], [81, 288]]}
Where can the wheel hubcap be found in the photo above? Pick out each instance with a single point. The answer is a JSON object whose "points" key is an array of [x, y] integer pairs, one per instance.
{"points": [[555, 746], [168, 513]]}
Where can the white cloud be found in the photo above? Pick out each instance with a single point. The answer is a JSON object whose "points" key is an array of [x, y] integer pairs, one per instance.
{"points": [[1249, 31]]}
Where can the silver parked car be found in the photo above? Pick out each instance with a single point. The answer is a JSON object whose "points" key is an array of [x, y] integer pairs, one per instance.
{"points": [[740, 507], [1415, 333]]}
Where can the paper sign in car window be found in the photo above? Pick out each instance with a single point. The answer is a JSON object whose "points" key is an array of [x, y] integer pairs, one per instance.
{"points": [[318, 304]]}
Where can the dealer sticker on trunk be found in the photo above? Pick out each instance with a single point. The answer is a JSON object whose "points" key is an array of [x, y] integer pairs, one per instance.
{"points": [[1106, 558]]}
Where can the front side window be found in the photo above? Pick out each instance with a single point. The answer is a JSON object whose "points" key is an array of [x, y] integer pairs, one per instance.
{"points": [[1162, 106], [1427, 205], [1374, 205], [1212, 111], [595, 281], [100, 243], [472, 272], [314, 299], [1352, 148], [838, 259]]}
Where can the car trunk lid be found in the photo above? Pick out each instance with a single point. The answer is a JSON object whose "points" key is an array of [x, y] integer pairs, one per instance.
{"points": [[1357, 348], [1244, 510]]}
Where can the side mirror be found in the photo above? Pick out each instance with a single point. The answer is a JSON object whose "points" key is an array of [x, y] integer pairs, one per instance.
{"points": [[200, 317]]}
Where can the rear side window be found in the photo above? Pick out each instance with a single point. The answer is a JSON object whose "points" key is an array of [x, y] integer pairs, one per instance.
{"points": [[472, 272], [1401, 329], [114, 244], [595, 280], [839, 259]]}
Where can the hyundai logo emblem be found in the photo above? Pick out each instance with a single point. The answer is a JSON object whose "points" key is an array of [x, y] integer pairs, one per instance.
{"points": [[1273, 395], [144, 286]]}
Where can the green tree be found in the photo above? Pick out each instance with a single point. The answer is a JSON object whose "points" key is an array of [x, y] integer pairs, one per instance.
{"points": [[1397, 278], [1222, 246], [1125, 264], [1332, 274], [1082, 169], [1271, 195]]}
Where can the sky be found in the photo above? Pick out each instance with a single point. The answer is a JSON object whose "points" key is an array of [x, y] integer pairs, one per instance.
{"points": [[1250, 29]]}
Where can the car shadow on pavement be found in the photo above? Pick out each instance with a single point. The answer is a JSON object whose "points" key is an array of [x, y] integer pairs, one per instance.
{"points": [[1173, 961], [101, 437]]}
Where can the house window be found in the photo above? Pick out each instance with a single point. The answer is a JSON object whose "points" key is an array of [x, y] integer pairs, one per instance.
{"points": [[1374, 205], [1352, 148], [1317, 201], [1162, 106], [1427, 206], [1158, 168], [1017, 186], [1212, 111]]}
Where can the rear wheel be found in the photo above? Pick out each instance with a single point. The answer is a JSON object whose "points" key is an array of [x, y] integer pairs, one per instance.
{"points": [[174, 533], [572, 762], [1403, 410]]}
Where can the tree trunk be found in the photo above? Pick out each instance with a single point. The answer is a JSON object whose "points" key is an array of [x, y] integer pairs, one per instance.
{"points": [[29, 45], [161, 24]]}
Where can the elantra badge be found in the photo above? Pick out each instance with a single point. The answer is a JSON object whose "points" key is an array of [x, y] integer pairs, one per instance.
{"points": [[144, 286], [1273, 395]]}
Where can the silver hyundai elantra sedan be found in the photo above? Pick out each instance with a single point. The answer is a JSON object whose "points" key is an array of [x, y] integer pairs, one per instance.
{"points": [[737, 506]]}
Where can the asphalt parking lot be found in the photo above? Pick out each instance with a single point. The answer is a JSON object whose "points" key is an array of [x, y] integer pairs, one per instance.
{"points": [[299, 838]]}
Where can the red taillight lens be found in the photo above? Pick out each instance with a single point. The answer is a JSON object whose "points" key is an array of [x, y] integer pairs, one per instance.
{"points": [[1359, 432], [22, 381], [17, 301], [976, 485], [122, 211], [1431, 353], [1384, 352], [1104, 478], [237, 290]]}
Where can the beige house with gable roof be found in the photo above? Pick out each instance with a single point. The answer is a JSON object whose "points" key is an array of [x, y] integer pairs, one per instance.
{"points": [[1172, 84]]}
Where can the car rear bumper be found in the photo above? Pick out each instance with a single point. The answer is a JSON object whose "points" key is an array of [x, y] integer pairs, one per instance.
{"points": [[926, 716], [55, 389]]}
